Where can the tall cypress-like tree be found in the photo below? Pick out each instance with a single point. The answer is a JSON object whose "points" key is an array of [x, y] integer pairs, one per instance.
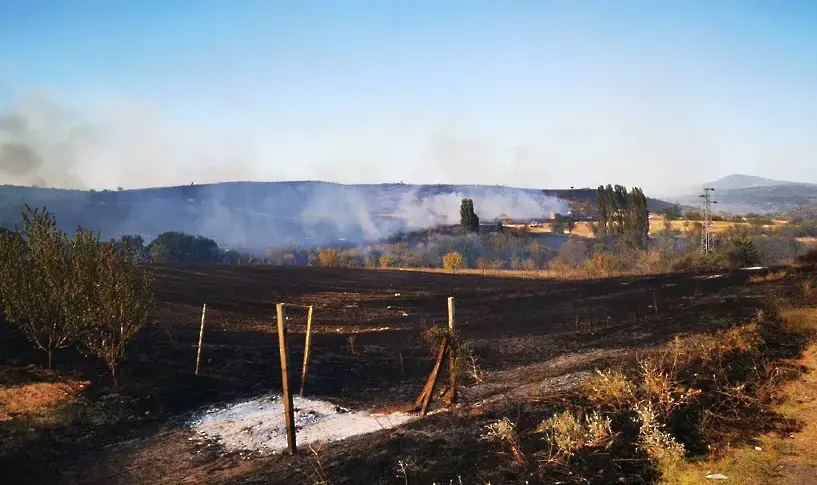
{"points": [[623, 213], [603, 204], [468, 217]]}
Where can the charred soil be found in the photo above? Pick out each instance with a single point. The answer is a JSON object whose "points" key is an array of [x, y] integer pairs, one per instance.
{"points": [[532, 341]]}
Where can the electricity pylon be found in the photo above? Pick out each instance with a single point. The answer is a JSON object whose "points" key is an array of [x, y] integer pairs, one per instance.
{"points": [[706, 216]]}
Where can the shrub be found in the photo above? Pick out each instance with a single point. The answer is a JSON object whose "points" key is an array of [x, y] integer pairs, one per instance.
{"points": [[387, 261], [329, 257], [808, 259], [567, 434], [743, 253], [453, 261], [504, 431], [610, 388], [777, 249]]}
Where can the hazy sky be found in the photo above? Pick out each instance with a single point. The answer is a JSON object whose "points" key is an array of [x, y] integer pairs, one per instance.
{"points": [[526, 93]]}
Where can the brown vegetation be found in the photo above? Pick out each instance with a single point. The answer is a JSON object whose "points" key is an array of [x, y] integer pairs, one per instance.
{"points": [[37, 398]]}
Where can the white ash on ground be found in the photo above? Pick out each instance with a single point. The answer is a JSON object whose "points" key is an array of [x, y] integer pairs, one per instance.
{"points": [[258, 425]]}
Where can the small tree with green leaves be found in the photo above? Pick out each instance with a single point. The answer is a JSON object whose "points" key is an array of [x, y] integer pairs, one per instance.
{"points": [[37, 284], [468, 217], [121, 304], [743, 253]]}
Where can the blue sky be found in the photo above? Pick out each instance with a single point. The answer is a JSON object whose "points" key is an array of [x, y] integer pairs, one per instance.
{"points": [[524, 93]]}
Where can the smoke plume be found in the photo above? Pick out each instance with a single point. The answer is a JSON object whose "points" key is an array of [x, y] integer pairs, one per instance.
{"points": [[121, 144]]}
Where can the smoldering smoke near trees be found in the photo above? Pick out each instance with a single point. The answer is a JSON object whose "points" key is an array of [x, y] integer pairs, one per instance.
{"points": [[43, 143]]}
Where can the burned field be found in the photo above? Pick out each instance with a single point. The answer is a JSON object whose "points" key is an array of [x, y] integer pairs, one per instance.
{"points": [[531, 340]]}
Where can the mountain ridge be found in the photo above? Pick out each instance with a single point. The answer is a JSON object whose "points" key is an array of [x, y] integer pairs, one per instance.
{"points": [[741, 193]]}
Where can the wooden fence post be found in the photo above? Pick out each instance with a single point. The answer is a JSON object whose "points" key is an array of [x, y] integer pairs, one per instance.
{"points": [[288, 407], [306, 348], [201, 337], [452, 357]]}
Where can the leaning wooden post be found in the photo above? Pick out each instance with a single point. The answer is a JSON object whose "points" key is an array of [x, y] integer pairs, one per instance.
{"points": [[306, 348], [201, 337], [288, 407], [452, 354]]}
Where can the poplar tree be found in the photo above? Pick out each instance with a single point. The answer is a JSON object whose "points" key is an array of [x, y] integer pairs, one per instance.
{"points": [[468, 218], [623, 213]]}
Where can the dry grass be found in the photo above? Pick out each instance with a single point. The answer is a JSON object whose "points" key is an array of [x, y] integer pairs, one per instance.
{"points": [[500, 273], [718, 227], [770, 277], [775, 458], [36, 399], [800, 320], [692, 403]]}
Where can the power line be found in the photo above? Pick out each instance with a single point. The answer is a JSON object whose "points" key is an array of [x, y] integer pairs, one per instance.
{"points": [[706, 216]]}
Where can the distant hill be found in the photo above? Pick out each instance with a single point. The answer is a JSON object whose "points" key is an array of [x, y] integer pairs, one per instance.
{"points": [[739, 193], [256, 215], [740, 181]]}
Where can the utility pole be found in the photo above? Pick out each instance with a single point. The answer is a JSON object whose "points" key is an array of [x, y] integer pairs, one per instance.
{"points": [[706, 216]]}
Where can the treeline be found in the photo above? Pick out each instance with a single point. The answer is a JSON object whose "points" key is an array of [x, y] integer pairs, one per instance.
{"points": [[181, 248], [622, 245], [426, 249]]}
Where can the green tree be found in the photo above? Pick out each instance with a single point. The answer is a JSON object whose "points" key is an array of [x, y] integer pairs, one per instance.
{"points": [[639, 215], [36, 281], [623, 213], [558, 225], [136, 244], [673, 212], [120, 303], [181, 248], [468, 217], [743, 253]]}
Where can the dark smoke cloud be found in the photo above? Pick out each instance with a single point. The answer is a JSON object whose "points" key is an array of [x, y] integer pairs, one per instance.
{"points": [[38, 144]]}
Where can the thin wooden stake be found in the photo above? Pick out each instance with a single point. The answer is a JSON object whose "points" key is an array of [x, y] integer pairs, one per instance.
{"points": [[452, 357], [288, 407], [306, 348], [201, 337]]}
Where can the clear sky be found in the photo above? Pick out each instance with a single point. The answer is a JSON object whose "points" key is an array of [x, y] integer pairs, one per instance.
{"points": [[661, 94]]}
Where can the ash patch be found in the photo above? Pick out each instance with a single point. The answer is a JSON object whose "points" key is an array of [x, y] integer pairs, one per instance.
{"points": [[257, 426]]}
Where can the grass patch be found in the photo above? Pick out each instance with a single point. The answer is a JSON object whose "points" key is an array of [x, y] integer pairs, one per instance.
{"points": [[39, 398], [729, 402], [770, 277], [775, 457]]}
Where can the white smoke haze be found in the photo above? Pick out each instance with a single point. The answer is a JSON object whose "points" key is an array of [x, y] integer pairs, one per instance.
{"points": [[126, 144], [115, 143], [490, 203]]}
